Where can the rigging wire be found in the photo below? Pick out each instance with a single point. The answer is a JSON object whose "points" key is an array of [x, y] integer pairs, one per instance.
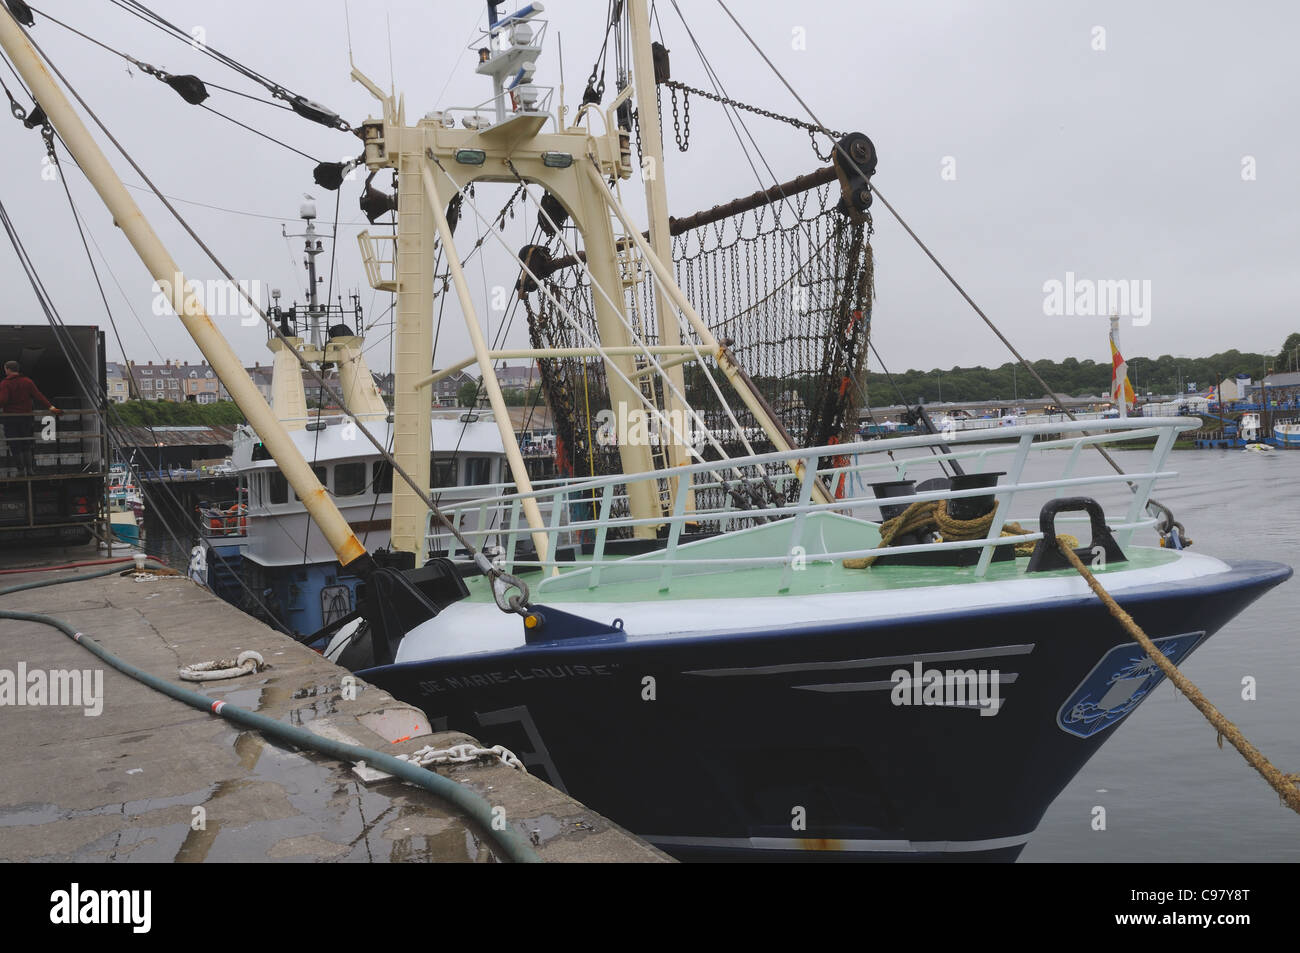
{"points": [[146, 67], [153, 434], [258, 132], [652, 360], [517, 603], [82, 231], [929, 254], [596, 82], [81, 370], [165, 77], [734, 118], [300, 104]]}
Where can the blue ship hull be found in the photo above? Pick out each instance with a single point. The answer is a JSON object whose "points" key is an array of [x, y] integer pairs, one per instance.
{"points": [[792, 745]]}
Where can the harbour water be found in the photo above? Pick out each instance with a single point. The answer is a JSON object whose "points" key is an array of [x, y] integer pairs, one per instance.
{"points": [[1168, 792]]}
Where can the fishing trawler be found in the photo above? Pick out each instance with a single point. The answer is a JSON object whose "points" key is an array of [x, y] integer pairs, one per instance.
{"points": [[721, 631], [257, 550], [125, 505]]}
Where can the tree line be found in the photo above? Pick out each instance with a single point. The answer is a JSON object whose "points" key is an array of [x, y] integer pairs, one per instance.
{"points": [[1071, 377]]}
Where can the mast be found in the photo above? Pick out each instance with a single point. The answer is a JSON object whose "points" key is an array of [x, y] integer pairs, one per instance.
{"points": [[311, 248], [188, 308], [434, 159], [656, 200]]}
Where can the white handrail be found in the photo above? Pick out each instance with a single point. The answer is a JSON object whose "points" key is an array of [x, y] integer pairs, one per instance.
{"points": [[600, 496]]}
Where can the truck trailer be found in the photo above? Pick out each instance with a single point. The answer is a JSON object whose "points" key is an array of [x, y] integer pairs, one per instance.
{"points": [[54, 484]]}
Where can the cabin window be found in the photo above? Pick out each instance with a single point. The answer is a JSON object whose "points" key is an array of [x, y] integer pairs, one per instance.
{"points": [[383, 476], [478, 470], [322, 474], [279, 488], [349, 479], [442, 471]]}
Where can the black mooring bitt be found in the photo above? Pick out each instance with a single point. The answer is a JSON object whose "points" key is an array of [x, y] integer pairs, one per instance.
{"points": [[394, 601], [1047, 554]]}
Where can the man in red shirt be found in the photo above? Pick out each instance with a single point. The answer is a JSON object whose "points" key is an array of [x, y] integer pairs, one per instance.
{"points": [[17, 392]]}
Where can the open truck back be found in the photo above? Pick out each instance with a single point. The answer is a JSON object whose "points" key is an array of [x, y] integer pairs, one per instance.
{"points": [[64, 497]]}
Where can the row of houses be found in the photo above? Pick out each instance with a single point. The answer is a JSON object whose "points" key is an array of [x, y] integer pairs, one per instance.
{"points": [[170, 380], [198, 383]]}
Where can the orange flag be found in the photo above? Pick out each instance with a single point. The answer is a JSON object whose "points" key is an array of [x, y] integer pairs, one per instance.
{"points": [[1120, 388]]}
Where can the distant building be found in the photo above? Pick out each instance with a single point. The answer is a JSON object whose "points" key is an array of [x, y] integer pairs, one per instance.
{"points": [[161, 448], [446, 391], [315, 394], [519, 377], [170, 380], [157, 381], [1282, 389], [117, 382], [261, 375], [200, 383], [1233, 388]]}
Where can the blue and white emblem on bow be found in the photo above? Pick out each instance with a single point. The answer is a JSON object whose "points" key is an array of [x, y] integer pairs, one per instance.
{"points": [[1118, 683]]}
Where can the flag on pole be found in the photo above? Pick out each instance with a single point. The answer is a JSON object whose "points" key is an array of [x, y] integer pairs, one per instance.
{"points": [[1120, 388]]}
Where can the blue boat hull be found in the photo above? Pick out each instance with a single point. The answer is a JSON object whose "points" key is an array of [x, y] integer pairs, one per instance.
{"points": [[792, 745]]}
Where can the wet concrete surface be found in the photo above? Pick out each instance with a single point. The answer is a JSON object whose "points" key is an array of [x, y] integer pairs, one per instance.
{"points": [[150, 779]]}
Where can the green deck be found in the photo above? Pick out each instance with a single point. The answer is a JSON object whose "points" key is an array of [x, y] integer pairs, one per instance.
{"points": [[638, 579]]}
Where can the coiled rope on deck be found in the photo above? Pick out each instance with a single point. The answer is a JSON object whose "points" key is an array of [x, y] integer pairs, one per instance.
{"points": [[1287, 786], [933, 516]]}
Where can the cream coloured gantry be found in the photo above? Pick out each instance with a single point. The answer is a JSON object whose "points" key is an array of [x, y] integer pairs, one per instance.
{"points": [[434, 160]]}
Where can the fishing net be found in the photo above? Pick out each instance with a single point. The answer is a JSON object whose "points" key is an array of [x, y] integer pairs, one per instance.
{"points": [[787, 287]]}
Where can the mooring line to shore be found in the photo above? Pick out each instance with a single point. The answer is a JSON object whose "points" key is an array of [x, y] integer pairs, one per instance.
{"points": [[1287, 786], [509, 842]]}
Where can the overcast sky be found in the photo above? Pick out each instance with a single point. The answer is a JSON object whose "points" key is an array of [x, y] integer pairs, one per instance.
{"points": [[1152, 142]]}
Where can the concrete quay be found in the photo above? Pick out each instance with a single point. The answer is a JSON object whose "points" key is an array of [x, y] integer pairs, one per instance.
{"points": [[147, 778]]}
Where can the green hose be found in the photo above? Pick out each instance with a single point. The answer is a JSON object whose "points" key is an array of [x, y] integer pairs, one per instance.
{"points": [[508, 841]]}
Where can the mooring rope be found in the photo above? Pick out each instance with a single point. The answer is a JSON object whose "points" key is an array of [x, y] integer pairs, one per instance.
{"points": [[1287, 786], [933, 515], [248, 663]]}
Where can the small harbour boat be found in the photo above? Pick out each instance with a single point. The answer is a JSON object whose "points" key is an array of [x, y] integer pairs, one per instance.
{"points": [[1286, 433]]}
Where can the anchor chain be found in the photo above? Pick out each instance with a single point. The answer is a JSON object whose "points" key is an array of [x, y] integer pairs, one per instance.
{"points": [[461, 754], [1172, 533], [812, 128]]}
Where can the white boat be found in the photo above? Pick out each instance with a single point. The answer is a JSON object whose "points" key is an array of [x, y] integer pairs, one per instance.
{"points": [[1287, 434], [265, 534]]}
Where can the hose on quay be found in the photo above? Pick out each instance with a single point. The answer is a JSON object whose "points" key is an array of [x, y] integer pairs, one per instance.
{"points": [[92, 562], [508, 841]]}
